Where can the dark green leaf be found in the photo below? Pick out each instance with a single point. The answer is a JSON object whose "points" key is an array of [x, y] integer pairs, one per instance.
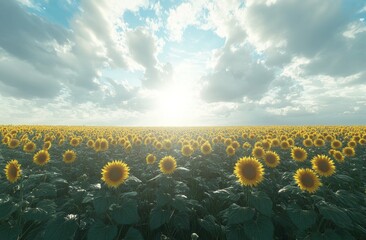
{"points": [[9, 232], [128, 194], [36, 214], [61, 228], [45, 190], [133, 234], [334, 214], [261, 202], [303, 219], [126, 213], [260, 229], [209, 224], [181, 221], [162, 199], [101, 204], [237, 214], [158, 217], [180, 203], [7, 207], [48, 205], [100, 231]]}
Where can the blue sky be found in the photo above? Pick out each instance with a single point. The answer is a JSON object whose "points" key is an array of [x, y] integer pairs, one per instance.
{"points": [[194, 62]]}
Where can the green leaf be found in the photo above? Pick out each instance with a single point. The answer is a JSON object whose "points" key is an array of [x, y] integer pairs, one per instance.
{"points": [[128, 194], [126, 213], [208, 223], [158, 217], [180, 203], [260, 229], [162, 199], [133, 234], [302, 219], [334, 214], [101, 204], [61, 228], [181, 221], [261, 202], [48, 205], [46, 190], [235, 232], [36, 214], [9, 232], [100, 231], [237, 214], [7, 207]]}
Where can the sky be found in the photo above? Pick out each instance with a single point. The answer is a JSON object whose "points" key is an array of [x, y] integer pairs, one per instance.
{"points": [[183, 63]]}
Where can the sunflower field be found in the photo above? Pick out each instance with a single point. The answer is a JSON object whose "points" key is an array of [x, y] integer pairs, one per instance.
{"points": [[104, 183]]}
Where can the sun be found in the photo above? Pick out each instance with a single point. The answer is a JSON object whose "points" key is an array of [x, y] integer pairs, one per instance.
{"points": [[176, 105]]}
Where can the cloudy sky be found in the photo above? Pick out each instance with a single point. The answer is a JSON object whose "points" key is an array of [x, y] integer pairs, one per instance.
{"points": [[194, 62]]}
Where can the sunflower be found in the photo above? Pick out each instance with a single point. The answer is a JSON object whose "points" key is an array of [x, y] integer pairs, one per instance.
{"points": [[29, 147], [13, 143], [266, 144], [319, 142], [69, 156], [187, 150], [338, 156], [167, 165], [167, 144], [271, 159], [90, 143], [284, 144], [227, 141], [235, 144], [47, 145], [104, 145], [159, 145], [307, 142], [249, 171], [97, 145], [150, 159], [206, 148], [12, 171], [246, 145], [230, 150], [41, 158], [307, 180], [299, 154], [258, 152], [115, 173], [352, 144], [323, 165], [348, 151], [74, 142], [336, 144]]}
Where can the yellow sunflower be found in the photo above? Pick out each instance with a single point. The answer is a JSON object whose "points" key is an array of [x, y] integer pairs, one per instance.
{"points": [[307, 142], [235, 144], [29, 147], [323, 165], [348, 151], [69, 156], [47, 145], [271, 159], [12, 171], [104, 145], [230, 150], [115, 173], [97, 145], [206, 148], [74, 142], [338, 156], [167, 165], [319, 142], [284, 144], [249, 171], [187, 150], [150, 159], [336, 144], [90, 143], [307, 180], [13, 143], [299, 154], [258, 152], [246, 145], [41, 158], [352, 144]]}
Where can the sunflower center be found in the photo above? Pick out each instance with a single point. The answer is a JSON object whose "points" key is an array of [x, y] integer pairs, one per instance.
{"points": [[13, 171], [323, 166], [298, 154], [270, 159], [29, 147], [115, 174], [168, 165], [68, 156], [307, 180], [42, 158], [249, 171]]}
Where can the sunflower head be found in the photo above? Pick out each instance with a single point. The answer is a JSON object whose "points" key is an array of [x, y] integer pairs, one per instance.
{"points": [[167, 144], [104, 145], [307, 142], [338, 156], [47, 145], [167, 165], [230, 150], [258, 152], [69, 156], [284, 144], [90, 143], [235, 144], [307, 180], [348, 151], [13, 143], [323, 165], [299, 154], [12, 171], [41, 158], [271, 159], [74, 142], [249, 171], [115, 173], [336, 144], [29, 147], [187, 150], [97, 146], [246, 145], [206, 148], [159, 145], [319, 142], [150, 158], [352, 144]]}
